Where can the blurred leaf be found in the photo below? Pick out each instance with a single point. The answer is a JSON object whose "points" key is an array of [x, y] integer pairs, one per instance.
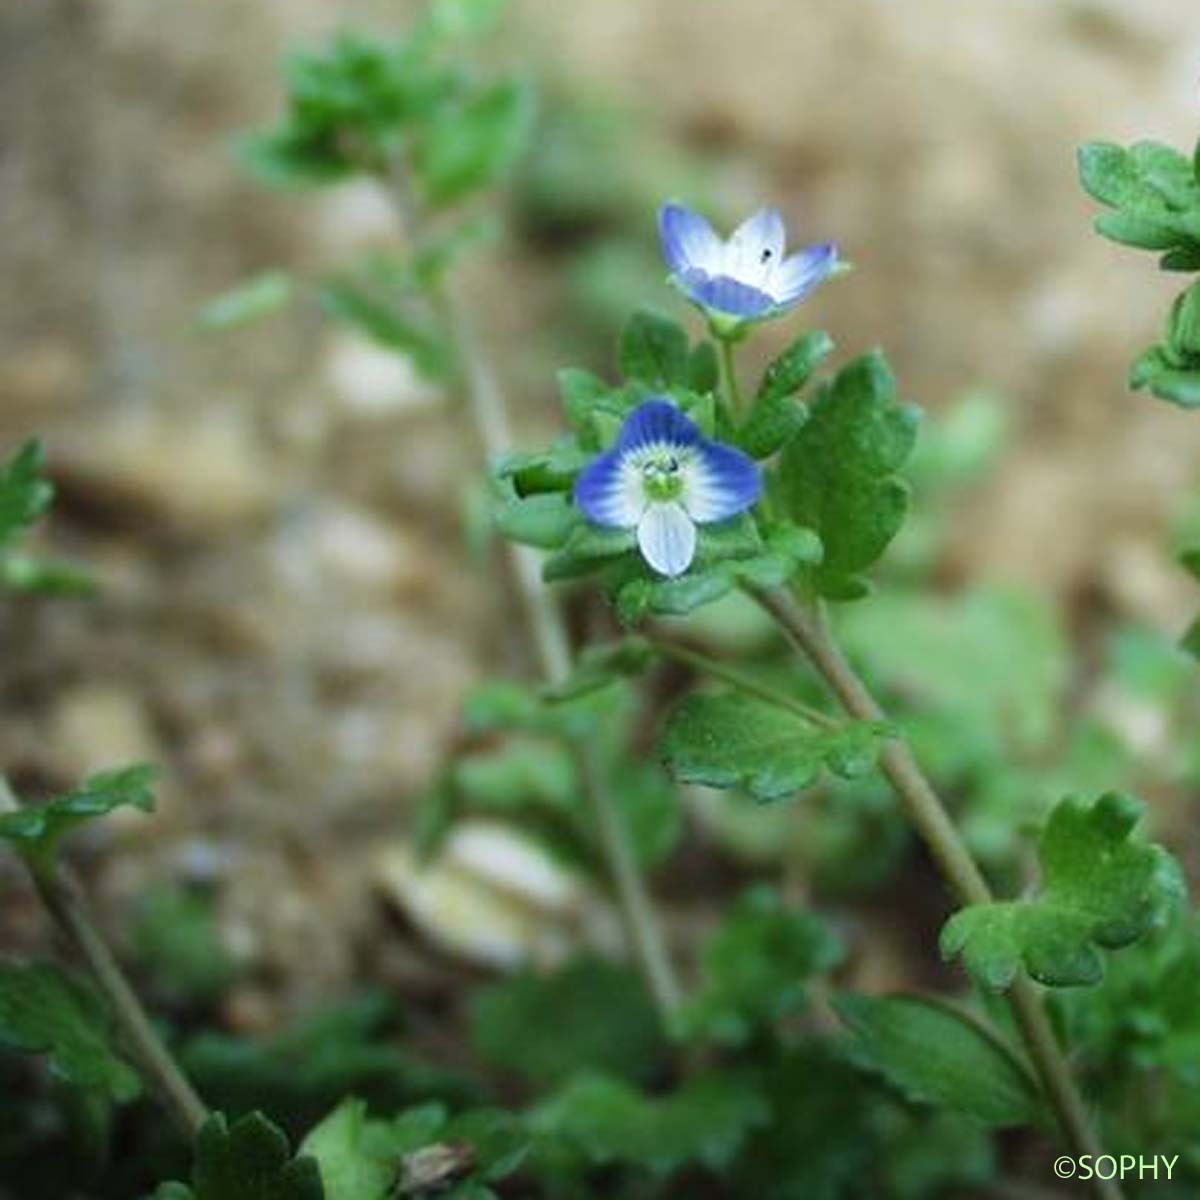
{"points": [[586, 1015], [45, 1011], [468, 145], [837, 475], [937, 1056], [35, 831], [383, 322], [653, 350], [726, 739], [248, 1160], [420, 1152], [257, 297], [544, 520], [1101, 889], [776, 414], [602, 664], [604, 1121], [300, 1072], [464, 18], [178, 942], [25, 493], [756, 969], [45, 577], [353, 1165], [646, 801]]}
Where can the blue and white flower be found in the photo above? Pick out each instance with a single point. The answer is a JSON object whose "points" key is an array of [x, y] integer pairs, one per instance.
{"points": [[747, 278], [663, 478]]}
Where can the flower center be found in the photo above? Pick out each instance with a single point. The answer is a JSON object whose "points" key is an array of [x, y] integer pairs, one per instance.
{"points": [[662, 477]]}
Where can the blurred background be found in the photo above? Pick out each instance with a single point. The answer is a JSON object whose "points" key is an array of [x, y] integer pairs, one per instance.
{"points": [[278, 515]]}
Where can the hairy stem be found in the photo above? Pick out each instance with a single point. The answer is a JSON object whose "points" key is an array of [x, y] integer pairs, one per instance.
{"points": [[544, 621], [62, 897], [729, 371], [806, 629]]}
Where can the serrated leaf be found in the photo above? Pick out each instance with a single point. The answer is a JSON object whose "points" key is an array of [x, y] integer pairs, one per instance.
{"points": [[653, 350], [257, 297], [25, 493], [756, 969], [1101, 889], [776, 414], [248, 1160], [604, 1121], [589, 1014], [469, 145], [36, 830], [725, 739], [837, 475], [937, 1056], [45, 1011]]}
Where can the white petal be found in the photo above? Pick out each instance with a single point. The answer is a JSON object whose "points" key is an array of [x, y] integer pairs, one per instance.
{"points": [[756, 248], [667, 538]]}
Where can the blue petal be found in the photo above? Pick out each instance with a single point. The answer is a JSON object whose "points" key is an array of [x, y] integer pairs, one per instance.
{"points": [[603, 493], [725, 295], [688, 240], [800, 273], [656, 421], [721, 483]]}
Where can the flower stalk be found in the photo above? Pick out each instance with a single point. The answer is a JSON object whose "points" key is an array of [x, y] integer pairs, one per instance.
{"points": [[61, 895], [544, 621], [806, 629]]}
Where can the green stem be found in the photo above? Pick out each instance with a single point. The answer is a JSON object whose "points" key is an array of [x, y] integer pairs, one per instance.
{"points": [[732, 390], [741, 681], [807, 630], [544, 621], [62, 897]]}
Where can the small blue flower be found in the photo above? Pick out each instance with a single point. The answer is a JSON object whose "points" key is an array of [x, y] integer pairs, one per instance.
{"points": [[663, 478], [747, 278]]}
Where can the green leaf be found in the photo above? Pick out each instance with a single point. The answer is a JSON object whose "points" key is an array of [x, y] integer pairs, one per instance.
{"points": [[248, 1160], [346, 1146], [45, 577], [1101, 889], [179, 945], [25, 493], [603, 664], [257, 297], [586, 1015], [725, 739], [653, 350], [469, 145], [544, 520], [45, 1011], [837, 475], [776, 415], [36, 830], [604, 1121], [383, 322], [755, 969], [936, 1055]]}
